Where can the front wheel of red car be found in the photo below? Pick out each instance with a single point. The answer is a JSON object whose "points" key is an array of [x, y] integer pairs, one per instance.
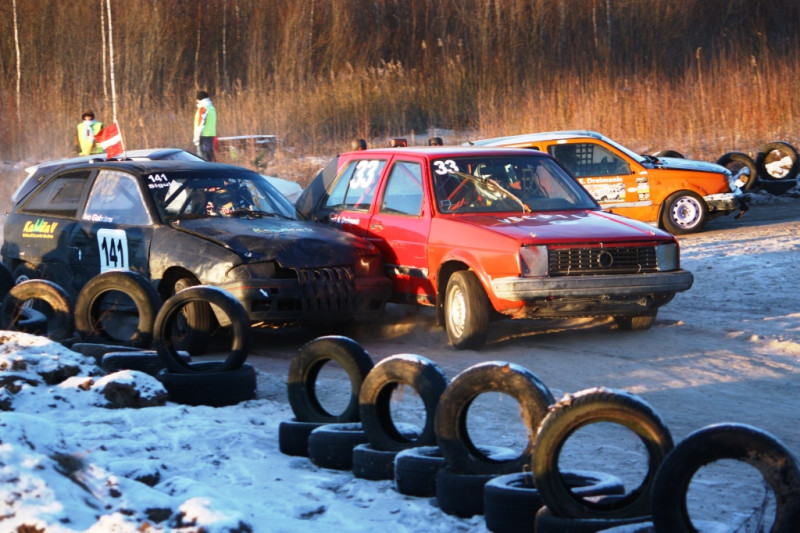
{"points": [[466, 311], [684, 212]]}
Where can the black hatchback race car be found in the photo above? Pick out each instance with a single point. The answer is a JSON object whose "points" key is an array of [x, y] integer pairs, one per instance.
{"points": [[182, 223]]}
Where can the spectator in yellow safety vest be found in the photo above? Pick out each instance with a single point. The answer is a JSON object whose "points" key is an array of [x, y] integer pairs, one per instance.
{"points": [[85, 143], [205, 126]]}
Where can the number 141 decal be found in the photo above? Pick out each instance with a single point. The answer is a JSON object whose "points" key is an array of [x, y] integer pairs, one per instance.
{"points": [[113, 246]]}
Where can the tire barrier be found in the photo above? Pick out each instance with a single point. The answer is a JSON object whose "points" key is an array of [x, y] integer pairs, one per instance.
{"points": [[92, 310], [228, 304], [415, 371], [12, 317], [549, 522], [293, 436], [726, 441], [777, 160], [510, 502], [580, 409], [97, 351], [737, 162], [204, 384], [374, 463], [331, 445], [461, 494], [305, 368], [415, 470], [526, 388]]}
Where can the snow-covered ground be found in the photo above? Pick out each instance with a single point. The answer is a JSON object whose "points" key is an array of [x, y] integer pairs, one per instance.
{"points": [[727, 350]]}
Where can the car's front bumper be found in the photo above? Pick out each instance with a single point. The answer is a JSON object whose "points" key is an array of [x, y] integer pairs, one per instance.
{"points": [[319, 301], [604, 286]]}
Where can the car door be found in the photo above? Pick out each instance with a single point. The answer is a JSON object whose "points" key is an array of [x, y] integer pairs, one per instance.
{"points": [[399, 226], [115, 229]]}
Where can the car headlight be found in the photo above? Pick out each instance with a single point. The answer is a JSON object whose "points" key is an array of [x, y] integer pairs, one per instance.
{"points": [[260, 270], [667, 256], [533, 260]]}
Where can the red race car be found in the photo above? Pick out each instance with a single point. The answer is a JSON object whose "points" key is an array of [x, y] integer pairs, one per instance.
{"points": [[487, 232]]}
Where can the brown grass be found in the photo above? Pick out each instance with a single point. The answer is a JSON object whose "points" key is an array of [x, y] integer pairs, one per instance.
{"points": [[700, 76]]}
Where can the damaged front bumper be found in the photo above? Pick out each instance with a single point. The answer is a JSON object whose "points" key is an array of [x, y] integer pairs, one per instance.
{"points": [[728, 202]]}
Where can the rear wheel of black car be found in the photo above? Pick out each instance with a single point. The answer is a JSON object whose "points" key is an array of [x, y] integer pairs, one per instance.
{"points": [[466, 311], [684, 212], [192, 329]]}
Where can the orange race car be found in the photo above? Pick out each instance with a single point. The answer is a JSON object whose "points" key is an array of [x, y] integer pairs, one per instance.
{"points": [[677, 194]]}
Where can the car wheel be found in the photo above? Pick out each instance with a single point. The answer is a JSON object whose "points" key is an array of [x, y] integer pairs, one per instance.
{"points": [[192, 329], [466, 311], [738, 442], [588, 407], [777, 160], [668, 153], [684, 212], [305, 368], [636, 323], [742, 166], [59, 324], [375, 397], [92, 309], [452, 435]]}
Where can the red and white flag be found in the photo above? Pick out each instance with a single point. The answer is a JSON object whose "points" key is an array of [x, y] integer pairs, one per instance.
{"points": [[110, 139]]}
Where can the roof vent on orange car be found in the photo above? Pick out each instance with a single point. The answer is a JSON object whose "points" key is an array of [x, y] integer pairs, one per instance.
{"points": [[398, 143]]}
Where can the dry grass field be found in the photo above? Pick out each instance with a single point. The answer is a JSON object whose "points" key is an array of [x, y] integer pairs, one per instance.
{"points": [[701, 76]]}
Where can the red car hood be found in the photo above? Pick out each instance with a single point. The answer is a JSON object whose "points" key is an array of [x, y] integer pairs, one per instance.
{"points": [[567, 226]]}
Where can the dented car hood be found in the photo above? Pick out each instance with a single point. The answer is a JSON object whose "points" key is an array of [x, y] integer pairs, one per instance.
{"points": [[677, 163], [289, 242], [572, 226]]}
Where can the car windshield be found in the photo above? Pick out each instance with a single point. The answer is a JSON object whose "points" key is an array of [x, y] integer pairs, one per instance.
{"points": [[492, 184], [222, 193]]}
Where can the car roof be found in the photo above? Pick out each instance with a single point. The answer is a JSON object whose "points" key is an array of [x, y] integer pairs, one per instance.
{"points": [[435, 152], [161, 165], [538, 137]]}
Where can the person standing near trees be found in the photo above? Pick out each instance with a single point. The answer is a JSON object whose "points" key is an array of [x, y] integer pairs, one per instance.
{"points": [[85, 143], [205, 126]]}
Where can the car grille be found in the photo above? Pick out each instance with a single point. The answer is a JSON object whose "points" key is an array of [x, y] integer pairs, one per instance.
{"points": [[327, 291], [602, 260]]}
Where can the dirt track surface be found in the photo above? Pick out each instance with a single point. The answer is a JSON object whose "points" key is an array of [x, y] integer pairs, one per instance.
{"points": [[728, 350]]}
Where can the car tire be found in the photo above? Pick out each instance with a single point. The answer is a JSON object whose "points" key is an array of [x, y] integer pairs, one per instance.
{"points": [[147, 361], [373, 464], [97, 351], [771, 151], [6, 280], [59, 326], [511, 501], [419, 373], [194, 325], [227, 303], [669, 153], [636, 323], [460, 494], [466, 311], [206, 385], [88, 319], [583, 408], [735, 162], [548, 522], [726, 441], [531, 393], [293, 437], [305, 368], [415, 470], [331, 445], [684, 212]]}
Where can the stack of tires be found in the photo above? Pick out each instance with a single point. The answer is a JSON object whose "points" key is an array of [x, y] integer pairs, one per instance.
{"points": [[36, 306], [775, 168]]}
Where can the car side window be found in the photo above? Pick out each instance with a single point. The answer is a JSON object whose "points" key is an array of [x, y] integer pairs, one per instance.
{"points": [[403, 193], [355, 188], [589, 159], [61, 196], [116, 198]]}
